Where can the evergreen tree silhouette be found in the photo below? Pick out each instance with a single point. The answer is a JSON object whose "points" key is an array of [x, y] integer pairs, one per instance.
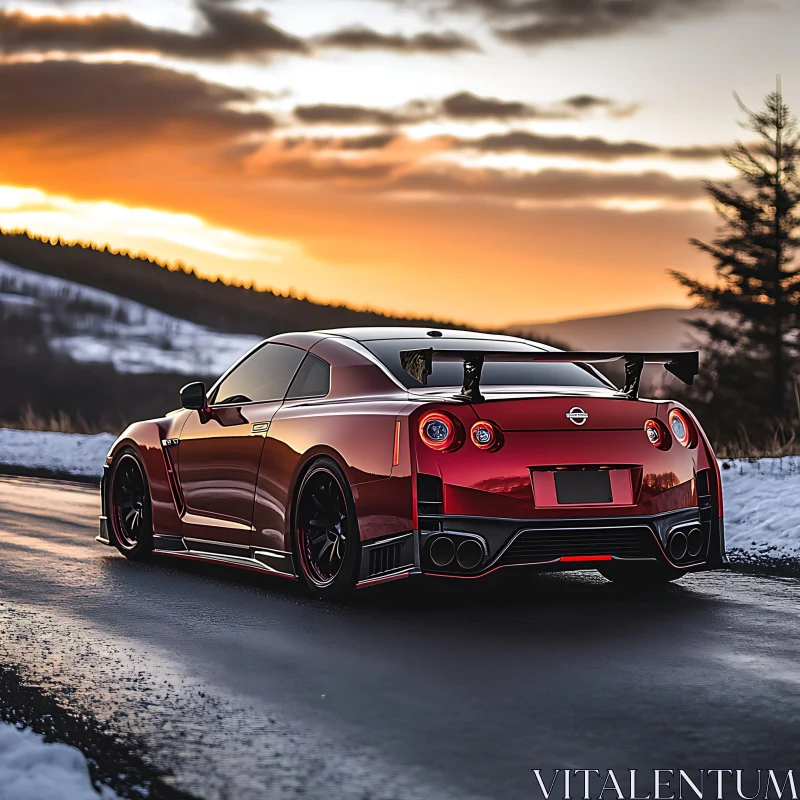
{"points": [[751, 362]]}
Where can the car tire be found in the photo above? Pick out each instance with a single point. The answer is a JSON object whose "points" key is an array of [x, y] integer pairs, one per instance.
{"points": [[641, 575], [130, 517], [326, 539]]}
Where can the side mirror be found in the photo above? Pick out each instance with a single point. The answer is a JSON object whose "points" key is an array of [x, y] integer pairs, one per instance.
{"points": [[193, 396]]}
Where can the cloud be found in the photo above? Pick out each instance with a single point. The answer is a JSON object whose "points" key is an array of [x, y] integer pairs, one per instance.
{"points": [[551, 185], [465, 105], [362, 38], [543, 22], [462, 106], [403, 173], [374, 141], [564, 20], [334, 114], [468, 106], [575, 147], [583, 103], [226, 33], [78, 104]]}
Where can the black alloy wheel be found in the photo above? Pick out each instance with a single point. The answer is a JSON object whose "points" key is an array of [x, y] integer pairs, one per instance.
{"points": [[129, 506], [327, 539]]}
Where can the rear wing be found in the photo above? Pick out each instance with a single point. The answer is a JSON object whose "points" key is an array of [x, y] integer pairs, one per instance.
{"points": [[419, 364]]}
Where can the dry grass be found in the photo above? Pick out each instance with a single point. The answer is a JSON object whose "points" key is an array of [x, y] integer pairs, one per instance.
{"points": [[781, 441], [61, 422]]}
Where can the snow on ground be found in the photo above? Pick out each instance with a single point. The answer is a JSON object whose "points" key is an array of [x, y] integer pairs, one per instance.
{"points": [[762, 505], [74, 453], [96, 326], [31, 769], [762, 497]]}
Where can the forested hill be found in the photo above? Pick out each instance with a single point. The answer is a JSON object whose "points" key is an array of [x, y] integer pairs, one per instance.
{"points": [[180, 293]]}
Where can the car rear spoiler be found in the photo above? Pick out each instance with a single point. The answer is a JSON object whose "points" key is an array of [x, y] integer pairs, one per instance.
{"points": [[419, 364]]}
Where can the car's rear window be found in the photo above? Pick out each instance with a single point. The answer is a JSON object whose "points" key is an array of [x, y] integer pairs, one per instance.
{"points": [[447, 374]]}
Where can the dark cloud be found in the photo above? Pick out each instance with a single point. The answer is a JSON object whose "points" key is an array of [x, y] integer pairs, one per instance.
{"points": [[468, 106], [333, 114], [564, 20], [575, 147], [542, 22], [463, 106], [361, 38], [226, 33], [375, 141], [582, 103], [551, 185], [78, 104], [446, 181]]}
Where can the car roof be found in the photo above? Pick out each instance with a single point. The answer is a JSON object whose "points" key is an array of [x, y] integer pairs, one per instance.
{"points": [[431, 334]]}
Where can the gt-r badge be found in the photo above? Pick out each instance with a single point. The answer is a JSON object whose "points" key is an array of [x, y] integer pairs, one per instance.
{"points": [[577, 415]]}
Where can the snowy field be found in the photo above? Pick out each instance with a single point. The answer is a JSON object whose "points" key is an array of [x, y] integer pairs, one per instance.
{"points": [[95, 326], [73, 453], [762, 506], [30, 769], [762, 498]]}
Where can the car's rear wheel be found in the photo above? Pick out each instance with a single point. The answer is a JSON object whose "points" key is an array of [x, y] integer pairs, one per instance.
{"points": [[641, 575], [326, 538], [129, 509]]}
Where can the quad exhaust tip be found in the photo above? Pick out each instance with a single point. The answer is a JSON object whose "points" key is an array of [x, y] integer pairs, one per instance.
{"points": [[469, 554], [678, 546], [442, 551], [695, 542]]}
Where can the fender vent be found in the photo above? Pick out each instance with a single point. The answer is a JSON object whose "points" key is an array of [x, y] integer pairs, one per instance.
{"points": [[386, 558]]}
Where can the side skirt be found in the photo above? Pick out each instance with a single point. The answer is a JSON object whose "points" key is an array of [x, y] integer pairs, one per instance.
{"points": [[269, 562]]}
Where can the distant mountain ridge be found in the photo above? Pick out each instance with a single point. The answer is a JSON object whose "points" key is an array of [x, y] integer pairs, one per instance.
{"points": [[647, 329], [226, 308]]}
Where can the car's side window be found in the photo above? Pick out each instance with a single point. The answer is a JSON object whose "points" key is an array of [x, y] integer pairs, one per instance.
{"points": [[262, 376], [313, 379]]}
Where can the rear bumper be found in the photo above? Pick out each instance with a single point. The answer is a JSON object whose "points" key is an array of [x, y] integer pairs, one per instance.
{"points": [[547, 545]]}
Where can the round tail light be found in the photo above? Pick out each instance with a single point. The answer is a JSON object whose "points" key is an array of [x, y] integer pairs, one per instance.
{"points": [[485, 435], [437, 430], [657, 434], [682, 428]]}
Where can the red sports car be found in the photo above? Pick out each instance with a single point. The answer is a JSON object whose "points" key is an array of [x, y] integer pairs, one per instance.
{"points": [[353, 457]]}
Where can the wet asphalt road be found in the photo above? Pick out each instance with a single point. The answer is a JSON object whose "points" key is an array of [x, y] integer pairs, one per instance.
{"points": [[247, 688]]}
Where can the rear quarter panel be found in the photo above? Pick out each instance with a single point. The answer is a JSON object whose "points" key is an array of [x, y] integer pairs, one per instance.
{"points": [[359, 436]]}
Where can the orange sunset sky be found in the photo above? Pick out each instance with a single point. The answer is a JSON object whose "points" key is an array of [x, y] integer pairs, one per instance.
{"points": [[489, 161]]}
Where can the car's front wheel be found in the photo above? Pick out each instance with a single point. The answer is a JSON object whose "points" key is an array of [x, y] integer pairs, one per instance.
{"points": [[326, 538], [129, 512], [641, 575]]}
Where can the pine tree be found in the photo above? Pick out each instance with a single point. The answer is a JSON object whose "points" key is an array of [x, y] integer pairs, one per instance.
{"points": [[753, 343]]}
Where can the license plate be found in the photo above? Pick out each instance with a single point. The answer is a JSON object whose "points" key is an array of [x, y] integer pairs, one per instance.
{"points": [[581, 487]]}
